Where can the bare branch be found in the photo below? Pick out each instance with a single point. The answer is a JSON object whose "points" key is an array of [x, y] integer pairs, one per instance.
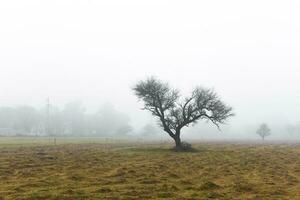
{"points": [[162, 101]]}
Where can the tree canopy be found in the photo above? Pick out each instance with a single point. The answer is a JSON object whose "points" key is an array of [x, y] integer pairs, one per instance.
{"points": [[174, 113]]}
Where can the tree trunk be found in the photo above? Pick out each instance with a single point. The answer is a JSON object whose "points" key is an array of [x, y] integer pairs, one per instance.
{"points": [[177, 141]]}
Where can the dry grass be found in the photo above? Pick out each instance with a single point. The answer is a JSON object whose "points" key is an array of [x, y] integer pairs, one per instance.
{"points": [[126, 171]]}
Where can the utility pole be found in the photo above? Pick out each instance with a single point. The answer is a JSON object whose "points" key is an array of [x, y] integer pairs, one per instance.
{"points": [[48, 120], [48, 117]]}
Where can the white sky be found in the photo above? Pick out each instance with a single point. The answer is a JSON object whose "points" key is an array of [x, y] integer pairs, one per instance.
{"points": [[96, 50]]}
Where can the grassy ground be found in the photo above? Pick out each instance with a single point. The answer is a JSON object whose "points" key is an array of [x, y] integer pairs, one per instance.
{"points": [[41, 170]]}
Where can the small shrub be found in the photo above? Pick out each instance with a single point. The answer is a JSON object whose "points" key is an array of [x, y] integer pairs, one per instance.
{"points": [[185, 146]]}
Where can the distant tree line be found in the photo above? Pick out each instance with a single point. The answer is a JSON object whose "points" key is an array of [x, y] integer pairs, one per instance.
{"points": [[71, 120]]}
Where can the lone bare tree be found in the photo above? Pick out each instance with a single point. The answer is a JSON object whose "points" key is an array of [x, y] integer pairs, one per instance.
{"points": [[175, 113], [263, 131]]}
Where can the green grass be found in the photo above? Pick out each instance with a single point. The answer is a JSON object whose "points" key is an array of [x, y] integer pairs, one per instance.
{"points": [[92, 169]]}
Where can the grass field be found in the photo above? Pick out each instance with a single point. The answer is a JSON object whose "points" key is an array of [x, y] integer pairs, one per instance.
{"points": [[94, 169]]}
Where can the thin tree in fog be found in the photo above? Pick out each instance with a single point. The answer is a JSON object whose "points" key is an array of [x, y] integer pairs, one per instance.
{"points": [[173, 113], [263, 131]]}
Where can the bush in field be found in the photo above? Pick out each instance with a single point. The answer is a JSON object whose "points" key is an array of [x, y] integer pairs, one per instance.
{"points": [[185, 146]]}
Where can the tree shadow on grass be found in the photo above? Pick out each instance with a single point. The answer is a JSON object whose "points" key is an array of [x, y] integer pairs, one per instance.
{"points": [[164, 150]]}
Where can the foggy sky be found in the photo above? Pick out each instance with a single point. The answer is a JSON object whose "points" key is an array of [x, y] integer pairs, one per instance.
{"points": [[95, 51]]}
